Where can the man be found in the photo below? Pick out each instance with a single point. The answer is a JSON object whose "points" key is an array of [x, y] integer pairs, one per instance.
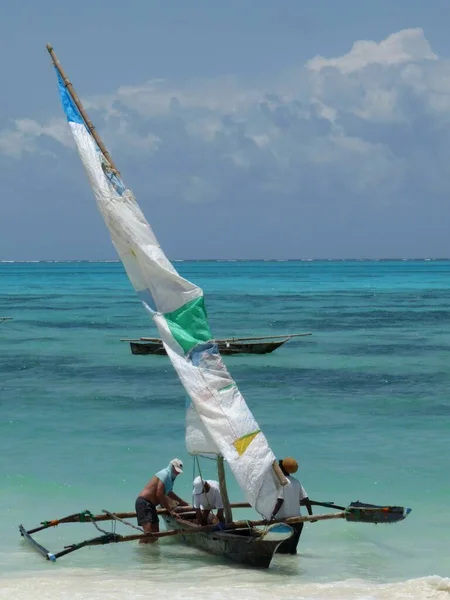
{"points": [[206, 496], [288, 504], [158, 491]]}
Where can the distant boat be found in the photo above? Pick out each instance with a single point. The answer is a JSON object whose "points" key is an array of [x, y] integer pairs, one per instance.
{"points": [[256, 345], [2, 319]]}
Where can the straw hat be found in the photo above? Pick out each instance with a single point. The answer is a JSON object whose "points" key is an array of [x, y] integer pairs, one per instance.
{"points": [[289, 464]]}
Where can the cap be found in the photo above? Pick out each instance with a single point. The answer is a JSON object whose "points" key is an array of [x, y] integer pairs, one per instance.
{"points": [[289, 464], [177, 465], [198, 486]]}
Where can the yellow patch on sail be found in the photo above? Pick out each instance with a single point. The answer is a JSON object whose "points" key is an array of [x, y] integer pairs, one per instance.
{"points": [[242, 443]]}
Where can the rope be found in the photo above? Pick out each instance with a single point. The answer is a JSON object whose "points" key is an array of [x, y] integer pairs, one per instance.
{"points": [[86, 516], [199, 469], [205, 494], [200, 473], [116, 518], [99, 528]]}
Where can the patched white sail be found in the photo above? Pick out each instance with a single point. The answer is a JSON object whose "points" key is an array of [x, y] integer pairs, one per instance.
{"points": [[178, 310], [198, 439]]}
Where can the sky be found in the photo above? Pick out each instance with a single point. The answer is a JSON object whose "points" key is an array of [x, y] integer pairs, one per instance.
{"points": [[246, 129]]}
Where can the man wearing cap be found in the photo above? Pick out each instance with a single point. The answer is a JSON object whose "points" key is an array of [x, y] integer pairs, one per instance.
{"points": [[158, 491], [206, 496], [288, 504]]}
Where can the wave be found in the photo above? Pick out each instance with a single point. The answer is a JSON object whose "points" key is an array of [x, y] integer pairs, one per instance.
{"points": [[220, 585]]}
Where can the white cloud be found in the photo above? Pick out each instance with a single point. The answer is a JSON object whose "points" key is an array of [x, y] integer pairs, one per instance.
{"points": [[405, 46], [159, 98], [360, 123], [23, 137], [379, 105]]}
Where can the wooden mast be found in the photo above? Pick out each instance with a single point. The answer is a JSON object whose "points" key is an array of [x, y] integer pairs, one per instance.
{"points": [[80, 107], [223, 490]]}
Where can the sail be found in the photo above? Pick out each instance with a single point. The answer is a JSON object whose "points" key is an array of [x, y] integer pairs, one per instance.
{"points": [[178, 310], [198, 439]]}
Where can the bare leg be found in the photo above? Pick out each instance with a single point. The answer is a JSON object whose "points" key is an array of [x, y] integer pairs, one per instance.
{"points": [[150, 528]]}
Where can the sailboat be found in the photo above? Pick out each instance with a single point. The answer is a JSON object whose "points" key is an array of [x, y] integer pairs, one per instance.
{"points": [[219, 424]]}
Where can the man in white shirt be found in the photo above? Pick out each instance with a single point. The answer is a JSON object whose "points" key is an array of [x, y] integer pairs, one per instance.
{"points": [[206, 497], [288, 504]]}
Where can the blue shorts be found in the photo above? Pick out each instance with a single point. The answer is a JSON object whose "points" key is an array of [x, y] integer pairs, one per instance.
{"points": [[146, 511]]}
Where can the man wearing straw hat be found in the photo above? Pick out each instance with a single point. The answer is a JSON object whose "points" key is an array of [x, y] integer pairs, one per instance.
{"points": [[288, 504]]}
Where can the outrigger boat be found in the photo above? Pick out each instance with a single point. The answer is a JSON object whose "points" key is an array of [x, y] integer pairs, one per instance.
{"points": [[219, 424], [227, 346]]}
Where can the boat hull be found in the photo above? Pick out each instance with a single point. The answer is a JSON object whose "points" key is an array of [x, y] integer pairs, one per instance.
{"points": [[241, 546], [155, 348], [225, 348]]}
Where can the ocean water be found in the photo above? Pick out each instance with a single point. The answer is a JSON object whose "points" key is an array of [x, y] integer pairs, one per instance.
{"points": [[363, 404]]}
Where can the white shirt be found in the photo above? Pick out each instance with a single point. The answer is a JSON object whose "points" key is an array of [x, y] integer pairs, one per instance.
{"points": [[212, 499], [292, 494]]}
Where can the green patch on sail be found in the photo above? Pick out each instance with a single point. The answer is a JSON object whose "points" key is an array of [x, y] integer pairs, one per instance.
{"points": [[188, 324], [228, 387]]}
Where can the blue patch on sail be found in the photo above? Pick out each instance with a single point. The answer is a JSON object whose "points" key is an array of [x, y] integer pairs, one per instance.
{"points": [[113, 179], [69, 106], [147, 299], [202, 351]]}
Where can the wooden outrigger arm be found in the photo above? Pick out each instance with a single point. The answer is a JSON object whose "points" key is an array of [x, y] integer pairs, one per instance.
{"points": [[110, 538], [355, 512]]}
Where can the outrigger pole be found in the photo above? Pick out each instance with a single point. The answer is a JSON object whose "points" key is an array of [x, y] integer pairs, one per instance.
{"points": [[110, 538], [355, 512], [87, 517], [265, 337]]}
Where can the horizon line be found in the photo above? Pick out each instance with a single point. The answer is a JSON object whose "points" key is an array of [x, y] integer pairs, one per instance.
{"points": [[343, 259]]}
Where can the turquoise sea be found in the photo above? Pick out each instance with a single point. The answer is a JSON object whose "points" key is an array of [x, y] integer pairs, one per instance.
{"points": [[363, 404]]}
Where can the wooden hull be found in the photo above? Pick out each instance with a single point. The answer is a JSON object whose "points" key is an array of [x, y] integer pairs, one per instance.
{"points": [[249, 347], [155, 348], [225, 348], [243, 546]]}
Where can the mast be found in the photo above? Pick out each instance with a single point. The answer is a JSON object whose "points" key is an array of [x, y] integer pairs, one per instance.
{"points": [[80, 107], [223, 490]]}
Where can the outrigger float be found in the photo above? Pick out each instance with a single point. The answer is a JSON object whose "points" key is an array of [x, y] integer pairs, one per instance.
{"points": [[247, 542]]}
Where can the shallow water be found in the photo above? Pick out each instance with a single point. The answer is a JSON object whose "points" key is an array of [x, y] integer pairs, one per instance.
{"points": [[362, 403]]}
